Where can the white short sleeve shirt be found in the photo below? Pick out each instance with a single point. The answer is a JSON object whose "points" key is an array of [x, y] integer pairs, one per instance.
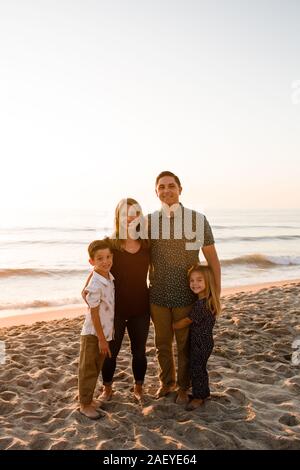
{"points": [[100, 292]]}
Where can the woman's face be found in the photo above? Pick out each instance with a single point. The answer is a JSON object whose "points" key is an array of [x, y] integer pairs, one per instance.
{"points": [[129, 213], [132, 214]]}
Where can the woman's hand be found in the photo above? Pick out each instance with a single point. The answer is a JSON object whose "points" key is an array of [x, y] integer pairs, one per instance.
{"points": [[104, 347], [84, 292]]}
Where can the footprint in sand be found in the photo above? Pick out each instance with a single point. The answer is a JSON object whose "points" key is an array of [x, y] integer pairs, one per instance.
{"points": [[6, 407], [9, 396], [289, 419], [237, 395]]}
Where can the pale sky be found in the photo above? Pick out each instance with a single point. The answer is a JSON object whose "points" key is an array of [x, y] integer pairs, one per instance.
{"points": [[97, 97]]}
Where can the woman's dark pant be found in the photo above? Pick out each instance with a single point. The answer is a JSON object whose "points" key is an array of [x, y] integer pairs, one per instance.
{"points": [[137, 328]]}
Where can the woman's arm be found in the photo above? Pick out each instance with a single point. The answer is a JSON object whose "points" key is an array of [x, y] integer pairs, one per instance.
{"points": [[83, 292], [183, 323]]}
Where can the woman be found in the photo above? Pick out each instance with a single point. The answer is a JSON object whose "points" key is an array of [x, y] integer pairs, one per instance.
{"points": [[131, 258]]}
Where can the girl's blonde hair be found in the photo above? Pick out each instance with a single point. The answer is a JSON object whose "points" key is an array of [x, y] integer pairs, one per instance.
{"points": [[212, 298], [117, 242]]}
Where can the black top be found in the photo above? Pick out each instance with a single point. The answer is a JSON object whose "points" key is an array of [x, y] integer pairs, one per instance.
{"points": [[130, 271]]}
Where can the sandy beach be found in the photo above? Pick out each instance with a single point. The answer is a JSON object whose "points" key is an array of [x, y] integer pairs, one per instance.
{"points": [[255, 386]]}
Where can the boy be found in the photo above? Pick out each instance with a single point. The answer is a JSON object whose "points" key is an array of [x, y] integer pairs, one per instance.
{"points": [[98, 327]]}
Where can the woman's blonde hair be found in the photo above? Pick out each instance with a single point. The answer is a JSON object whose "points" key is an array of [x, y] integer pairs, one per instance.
{"points": [[212, 298], [117, 241]]}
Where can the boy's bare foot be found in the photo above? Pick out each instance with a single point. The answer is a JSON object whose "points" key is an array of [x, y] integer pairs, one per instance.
{"points": [[89, 411], [194, 403], [182, 397], [107, 393], [138, 392]]}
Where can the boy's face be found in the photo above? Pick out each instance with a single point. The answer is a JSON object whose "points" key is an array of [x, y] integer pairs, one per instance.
{"points": [[197, 282], [168, 190], [102, 261]]}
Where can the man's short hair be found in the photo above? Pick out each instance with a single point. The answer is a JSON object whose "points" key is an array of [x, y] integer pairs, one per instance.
{"points": [[167, 173], [98, 245]]}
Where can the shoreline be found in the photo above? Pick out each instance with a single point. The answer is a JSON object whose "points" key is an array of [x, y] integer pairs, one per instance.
{"points": [[70, 312]]}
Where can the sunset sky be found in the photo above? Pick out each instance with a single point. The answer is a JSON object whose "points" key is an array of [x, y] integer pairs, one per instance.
{"points": [[97, 97]]}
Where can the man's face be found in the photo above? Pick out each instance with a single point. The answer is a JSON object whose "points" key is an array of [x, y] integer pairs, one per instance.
{"points": [[168, 190]]}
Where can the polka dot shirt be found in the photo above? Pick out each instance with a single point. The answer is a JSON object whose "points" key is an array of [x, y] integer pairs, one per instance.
{"points": [[174, 254]]}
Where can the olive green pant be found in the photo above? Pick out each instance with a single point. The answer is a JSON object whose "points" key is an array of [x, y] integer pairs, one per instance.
{"points": [[90, 365], [163, 319]]}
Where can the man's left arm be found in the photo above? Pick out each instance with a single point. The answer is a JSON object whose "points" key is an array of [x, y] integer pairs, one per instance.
{"points": [[211, 256], [210, 253]]}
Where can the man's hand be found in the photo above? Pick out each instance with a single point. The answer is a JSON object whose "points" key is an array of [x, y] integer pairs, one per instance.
{"points": [[104, 347]]}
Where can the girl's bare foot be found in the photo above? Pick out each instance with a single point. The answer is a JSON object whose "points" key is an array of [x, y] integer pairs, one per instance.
{"points": [[107, 393], [194, 403], [89, 411]]}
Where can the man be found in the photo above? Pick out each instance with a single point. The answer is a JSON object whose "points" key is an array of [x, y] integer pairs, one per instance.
{"points": [[176, 235]]}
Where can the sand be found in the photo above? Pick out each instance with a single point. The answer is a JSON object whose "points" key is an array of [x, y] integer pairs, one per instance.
{"points": [[255, 401]]}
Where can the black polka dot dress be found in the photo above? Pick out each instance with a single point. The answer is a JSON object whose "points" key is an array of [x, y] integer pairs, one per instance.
{"points": [[201, 346]]}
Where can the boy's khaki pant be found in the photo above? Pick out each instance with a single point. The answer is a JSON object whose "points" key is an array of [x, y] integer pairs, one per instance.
{"points": [[90, 365], [163, 318]]}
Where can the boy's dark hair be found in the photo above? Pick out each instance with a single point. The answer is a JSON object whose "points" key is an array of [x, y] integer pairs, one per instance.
{"points": [[98, 245], [167, 173]]}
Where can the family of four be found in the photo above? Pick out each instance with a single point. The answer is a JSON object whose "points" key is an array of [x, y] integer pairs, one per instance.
{"points": [[183, 299]]}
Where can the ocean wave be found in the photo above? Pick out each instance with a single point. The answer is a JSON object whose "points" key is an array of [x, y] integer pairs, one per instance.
{"points": [[4, 273], [262, 260], [44, 242], [246, 226], [261, 238], [55, 229], [41, 304]]}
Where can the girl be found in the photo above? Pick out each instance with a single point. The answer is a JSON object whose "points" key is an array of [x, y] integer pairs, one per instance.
{"points": [[202, 319]]}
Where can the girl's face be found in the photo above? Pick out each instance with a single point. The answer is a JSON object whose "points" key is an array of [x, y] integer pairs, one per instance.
{"points": [[197, 282]]}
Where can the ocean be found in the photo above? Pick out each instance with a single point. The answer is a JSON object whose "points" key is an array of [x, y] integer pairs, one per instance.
{"points": [[44, 261]]}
